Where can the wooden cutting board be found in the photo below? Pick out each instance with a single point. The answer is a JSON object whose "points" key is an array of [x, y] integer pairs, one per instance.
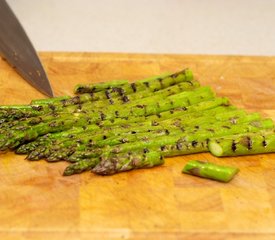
{"points": [[37, 202]]}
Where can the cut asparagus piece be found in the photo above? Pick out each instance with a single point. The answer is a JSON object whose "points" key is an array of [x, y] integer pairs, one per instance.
{"points": [[243, 144], [210, 170]]}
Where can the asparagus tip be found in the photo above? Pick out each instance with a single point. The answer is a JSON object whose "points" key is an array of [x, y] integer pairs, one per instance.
{"points": [[68, 171]]}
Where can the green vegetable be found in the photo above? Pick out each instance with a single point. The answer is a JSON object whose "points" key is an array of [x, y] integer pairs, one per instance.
{"points": [[210, 170], [98, 87], [127, 161], [49, 100], [154, 83]]}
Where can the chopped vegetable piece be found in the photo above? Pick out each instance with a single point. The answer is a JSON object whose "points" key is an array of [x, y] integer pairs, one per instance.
{"points": [[210, 170]]}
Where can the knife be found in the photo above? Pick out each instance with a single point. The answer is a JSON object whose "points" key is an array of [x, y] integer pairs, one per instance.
{"points": [[19, 52]]}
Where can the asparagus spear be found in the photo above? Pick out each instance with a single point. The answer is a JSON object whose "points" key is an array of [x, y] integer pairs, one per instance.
{"points": [[13, 112], [154, 83], [50, 138], [243, 144], [98, 87], [210, 170], [49, 100], [117, 163], [12, 139]]}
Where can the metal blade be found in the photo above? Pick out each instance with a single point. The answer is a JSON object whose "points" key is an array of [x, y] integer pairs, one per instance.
{"points": [[17, 49]]}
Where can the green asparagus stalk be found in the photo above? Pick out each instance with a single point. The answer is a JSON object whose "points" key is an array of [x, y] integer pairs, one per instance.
{"points": [[243, 144], [22, 124], [14, 138], [98, 87], [117, 163], [210, 170], [13, 112], [12, 107], [154, 83], [49, 100], [50, 138]]}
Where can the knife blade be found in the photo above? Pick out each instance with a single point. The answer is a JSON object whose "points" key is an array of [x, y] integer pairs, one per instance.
{"points": [[19, 52]]}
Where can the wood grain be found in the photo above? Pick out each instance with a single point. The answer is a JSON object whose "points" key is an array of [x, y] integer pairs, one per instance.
{"points": [[36, 202]]}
